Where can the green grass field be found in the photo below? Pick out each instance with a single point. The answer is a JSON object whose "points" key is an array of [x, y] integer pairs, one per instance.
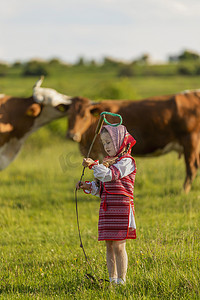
{"points": [[40, 253]]}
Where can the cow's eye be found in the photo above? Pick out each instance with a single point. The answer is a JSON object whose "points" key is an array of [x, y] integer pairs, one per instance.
{"points": [[62, 107], [96, 114]]}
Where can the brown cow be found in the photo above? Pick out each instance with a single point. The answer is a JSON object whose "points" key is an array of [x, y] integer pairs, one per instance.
{"points": [[19, 117], [159, 125]]}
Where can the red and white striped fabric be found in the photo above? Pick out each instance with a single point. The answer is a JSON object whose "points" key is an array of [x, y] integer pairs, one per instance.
{"points": [[116, 202], [114, 222]]}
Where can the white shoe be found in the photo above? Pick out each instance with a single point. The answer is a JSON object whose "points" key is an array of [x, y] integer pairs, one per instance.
{"points": [[121, 281], [113, 280]]}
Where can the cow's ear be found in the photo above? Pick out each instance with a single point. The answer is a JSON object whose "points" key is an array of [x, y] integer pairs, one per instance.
{"points": [[95, 111], [33, 110]]}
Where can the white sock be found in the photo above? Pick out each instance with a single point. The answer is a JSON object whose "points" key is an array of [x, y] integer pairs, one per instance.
{"points": [[121, 281], [114, 280]]}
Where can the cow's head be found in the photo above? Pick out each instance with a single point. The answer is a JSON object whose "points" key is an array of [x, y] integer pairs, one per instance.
{"points": [[53, 104], [21, 116], [81, 115]]}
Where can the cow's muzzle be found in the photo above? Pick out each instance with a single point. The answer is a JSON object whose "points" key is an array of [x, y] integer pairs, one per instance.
{"points": [[76, 137]]}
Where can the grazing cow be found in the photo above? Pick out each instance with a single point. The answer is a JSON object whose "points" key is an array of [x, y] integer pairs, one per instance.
{"points": [[19, 117], [159, 125]]}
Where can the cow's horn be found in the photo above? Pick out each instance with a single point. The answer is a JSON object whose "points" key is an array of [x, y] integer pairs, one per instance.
{"points": [[37, 97], [39, 82]]}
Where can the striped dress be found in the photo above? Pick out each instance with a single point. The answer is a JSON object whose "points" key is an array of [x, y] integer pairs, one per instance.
{"points": [[116, 214], [116, 205], [114, 222]]}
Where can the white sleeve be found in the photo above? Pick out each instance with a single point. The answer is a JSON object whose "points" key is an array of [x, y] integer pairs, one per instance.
{"points": [[125, 166], [102, 173], [94, 189]]}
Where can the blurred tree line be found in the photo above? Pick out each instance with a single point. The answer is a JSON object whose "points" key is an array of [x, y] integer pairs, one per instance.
{"points": [[186, 63]]}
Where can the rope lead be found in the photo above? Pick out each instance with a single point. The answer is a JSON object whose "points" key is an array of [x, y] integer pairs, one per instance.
{"points": [[113, 115]]}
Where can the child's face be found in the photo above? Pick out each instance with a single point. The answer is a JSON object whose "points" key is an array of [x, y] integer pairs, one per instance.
{"points": [[108, 143]]}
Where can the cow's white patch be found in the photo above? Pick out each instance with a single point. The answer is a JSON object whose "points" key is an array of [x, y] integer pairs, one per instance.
{"points": [[9, 151], [2, 95], [173, 146], [50, 97]]}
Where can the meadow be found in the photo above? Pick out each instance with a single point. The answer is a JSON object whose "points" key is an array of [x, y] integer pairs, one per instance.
{"points": [[40, 250]]}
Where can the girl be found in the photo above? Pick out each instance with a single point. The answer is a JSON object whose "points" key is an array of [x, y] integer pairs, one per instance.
{"points": [[114, 182]]}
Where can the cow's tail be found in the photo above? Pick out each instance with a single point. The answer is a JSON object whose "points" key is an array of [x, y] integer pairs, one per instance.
{"points": [[39, 82]]}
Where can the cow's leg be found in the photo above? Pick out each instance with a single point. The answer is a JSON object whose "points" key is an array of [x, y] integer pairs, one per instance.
{"points": [[192, 160]]}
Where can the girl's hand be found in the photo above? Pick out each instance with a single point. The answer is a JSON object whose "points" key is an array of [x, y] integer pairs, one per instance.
{"points": [[83, 185], [87, 162]]}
